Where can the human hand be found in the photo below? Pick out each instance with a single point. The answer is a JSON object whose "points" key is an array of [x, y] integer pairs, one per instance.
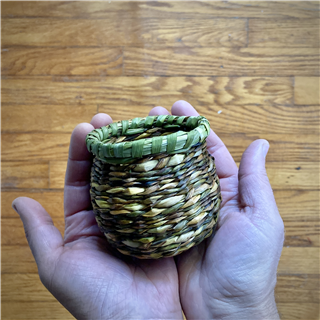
{"points": [[233, 274], [81, 270]]}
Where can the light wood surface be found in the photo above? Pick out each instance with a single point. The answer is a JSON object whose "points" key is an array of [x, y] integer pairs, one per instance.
{"points": [[252, 68]]}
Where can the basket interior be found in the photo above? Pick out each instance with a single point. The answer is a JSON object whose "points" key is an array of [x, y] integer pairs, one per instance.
{"points": [[139, 137]]}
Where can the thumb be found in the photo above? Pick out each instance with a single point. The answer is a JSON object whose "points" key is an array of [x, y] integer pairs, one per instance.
{"points": [[254, 188], [43, 237]]}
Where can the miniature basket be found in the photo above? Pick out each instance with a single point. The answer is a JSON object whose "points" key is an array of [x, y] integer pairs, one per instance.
{"points": [[154, 187]]}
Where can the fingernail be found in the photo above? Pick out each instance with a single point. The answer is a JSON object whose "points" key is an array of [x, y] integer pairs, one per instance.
{"points": [[265, 148]]}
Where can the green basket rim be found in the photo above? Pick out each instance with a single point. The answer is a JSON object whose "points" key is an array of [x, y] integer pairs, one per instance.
{"points": [[121, 152]]}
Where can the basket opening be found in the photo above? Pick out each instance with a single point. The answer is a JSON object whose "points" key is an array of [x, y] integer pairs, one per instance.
{"points": [[144, 136], [143, 133]]}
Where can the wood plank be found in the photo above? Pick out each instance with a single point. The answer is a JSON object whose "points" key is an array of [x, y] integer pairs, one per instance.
{"points": [[302, 233], [52, 201], [298, 311], [44, 118], [17, 259], [34, 310], [124, 32], [282, 175], [299, 261], [59, 171], [54, 147], [294, 148], [35, 146], [27, 287], [285, 175], [288, 175], [147, 91], [283, 33], [283, 148], [62, 61], [24, 287], [156, 61], [298, 205], [57, 174], [276, 97], [13, 231], [163, 9], [20, 174], [294, 205], [298, 234], [278, 119], [54, 310], [306, 91], [297, 288], [264, 119], [249, 119]]}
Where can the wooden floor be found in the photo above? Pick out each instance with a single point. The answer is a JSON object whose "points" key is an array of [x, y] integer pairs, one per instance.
{"points": [[252, 68]]}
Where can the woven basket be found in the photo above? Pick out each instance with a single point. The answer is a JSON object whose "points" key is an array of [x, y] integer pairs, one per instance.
{"points": [[154, 187]]}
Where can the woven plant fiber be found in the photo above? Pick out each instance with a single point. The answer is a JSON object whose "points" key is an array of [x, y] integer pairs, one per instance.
{"points": [[154, 187]]}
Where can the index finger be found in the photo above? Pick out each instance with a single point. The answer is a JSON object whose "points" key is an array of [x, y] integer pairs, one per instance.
{"points": [[226, 167], [77, 179]]}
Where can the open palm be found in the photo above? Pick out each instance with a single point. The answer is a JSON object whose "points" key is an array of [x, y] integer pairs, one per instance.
{"points": [[87, 276], [229, 276], [233, 274]]}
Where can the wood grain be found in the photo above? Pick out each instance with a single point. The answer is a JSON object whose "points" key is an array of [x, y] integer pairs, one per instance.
{"points": [[294, 205], [51, 200], [282, 175], [299, 261], [297, 233], [283, 33], [57, 174], [44, 118], [34, 310], [123, 32], [278, 119], [302, 233], [165, 9], [147, 91], [297, 288], [17, 259], [306, 91], [283, 119], [252, 68], [13, 231], [51, 147], [298, 205], [17, 174], [285, 175], [280, 62], [35, 146], [29, 285], [62, 61], [292, 288], [54, 310], [298, 311], [288, 201]]}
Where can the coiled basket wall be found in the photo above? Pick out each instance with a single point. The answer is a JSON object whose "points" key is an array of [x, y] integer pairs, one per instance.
{"points": [[154, 187]]}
